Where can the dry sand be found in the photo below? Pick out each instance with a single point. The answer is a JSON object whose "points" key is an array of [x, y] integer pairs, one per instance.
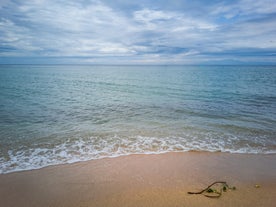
{"points": [[145, 180]]}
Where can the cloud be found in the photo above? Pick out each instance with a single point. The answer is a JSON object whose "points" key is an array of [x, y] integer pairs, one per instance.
{"points": [[244, 8], [137, 32], [55, 28]]}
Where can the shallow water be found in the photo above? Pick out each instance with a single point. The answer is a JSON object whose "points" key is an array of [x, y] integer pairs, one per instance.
{"points": [[62, 113]]}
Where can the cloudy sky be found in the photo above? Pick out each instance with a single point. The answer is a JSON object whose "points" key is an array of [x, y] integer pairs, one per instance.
{"points": [[138, 32]]}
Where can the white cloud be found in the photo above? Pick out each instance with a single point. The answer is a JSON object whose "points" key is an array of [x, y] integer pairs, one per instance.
{"points": [[175, 21], [94, 29], [244, 8], [14, 37], [258, 6], [147, 15], [68, 28]]}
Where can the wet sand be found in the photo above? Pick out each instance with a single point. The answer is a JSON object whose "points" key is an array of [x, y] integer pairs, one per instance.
{"points": [[145, 180]]}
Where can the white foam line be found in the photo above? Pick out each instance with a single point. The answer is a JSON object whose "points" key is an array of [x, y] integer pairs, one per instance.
{"points": [[94, 148]]}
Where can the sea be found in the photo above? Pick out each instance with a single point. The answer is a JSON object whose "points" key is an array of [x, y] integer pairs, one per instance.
{"points": [[56, 114]]}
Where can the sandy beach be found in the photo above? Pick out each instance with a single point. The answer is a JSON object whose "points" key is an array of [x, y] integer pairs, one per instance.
{"points": [[145, 180]]}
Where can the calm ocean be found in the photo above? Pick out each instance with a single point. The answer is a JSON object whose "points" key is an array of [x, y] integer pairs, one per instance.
{"points": [[63, 114]]}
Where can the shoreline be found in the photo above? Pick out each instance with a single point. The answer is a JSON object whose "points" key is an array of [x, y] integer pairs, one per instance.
{"points": [[135, 154], [145, 180]]}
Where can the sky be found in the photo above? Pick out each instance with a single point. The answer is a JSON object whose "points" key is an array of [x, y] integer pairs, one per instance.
{"points": [[137, 32]]}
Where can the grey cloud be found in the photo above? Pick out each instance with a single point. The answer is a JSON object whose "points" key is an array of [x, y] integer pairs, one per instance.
{"points": [[137, 32]]}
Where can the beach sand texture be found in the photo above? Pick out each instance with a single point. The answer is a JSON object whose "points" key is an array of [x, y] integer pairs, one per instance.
{"points": [[145, 180]]}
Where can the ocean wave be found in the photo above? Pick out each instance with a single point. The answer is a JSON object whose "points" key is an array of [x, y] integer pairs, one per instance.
{"points": [[83, 149]]}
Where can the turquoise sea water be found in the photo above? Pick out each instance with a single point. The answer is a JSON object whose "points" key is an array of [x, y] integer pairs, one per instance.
{"points": [[63, 114]]}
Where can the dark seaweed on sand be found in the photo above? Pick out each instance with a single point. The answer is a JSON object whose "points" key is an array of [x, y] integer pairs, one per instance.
{"points": [[214, 192]]}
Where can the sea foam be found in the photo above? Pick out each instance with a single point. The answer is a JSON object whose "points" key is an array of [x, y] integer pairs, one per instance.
{"points": [[94, 148]]}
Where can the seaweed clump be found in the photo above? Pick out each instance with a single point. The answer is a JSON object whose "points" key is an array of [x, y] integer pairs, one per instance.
{"points": [[215, 189]]}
